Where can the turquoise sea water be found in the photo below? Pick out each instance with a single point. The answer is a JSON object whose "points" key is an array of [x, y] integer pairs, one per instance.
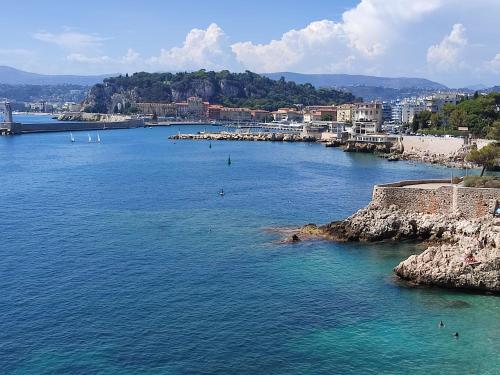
{"points": [[121, 258]]}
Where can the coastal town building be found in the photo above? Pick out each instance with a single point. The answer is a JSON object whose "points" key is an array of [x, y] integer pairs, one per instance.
{"points": [[214, 111], [320, 113], [287, 114], [158, 109], [345, 112], [260, 115], [370, 112], [235, 114], [365, 127]]}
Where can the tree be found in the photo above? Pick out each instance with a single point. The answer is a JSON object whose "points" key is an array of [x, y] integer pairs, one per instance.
{"points": [[494, 131], [421, 120], [326, 117], [486, 157], [436, 120], [458, 118]]}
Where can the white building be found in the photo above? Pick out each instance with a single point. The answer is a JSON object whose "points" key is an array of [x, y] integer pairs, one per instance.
{"points": [[371, 112]]}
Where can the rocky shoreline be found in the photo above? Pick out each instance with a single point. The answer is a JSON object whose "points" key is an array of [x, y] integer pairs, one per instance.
{"points": [[230, 136], [460, 254]]}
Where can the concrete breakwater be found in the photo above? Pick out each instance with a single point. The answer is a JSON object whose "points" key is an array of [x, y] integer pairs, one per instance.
{"points": [[22, 128], [229, 136], [455, 223]]}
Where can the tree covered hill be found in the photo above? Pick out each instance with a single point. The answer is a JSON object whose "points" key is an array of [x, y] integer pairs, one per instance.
{"points": [[229, 89]]}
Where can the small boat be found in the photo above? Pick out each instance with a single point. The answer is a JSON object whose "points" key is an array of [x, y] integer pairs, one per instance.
{"points": [[221, 192], [98, 138], [90, 138], [210, 145], [229, 160], [71, 138]]}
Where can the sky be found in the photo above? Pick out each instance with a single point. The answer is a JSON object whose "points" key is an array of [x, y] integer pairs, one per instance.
{"points": [[454, 42]]}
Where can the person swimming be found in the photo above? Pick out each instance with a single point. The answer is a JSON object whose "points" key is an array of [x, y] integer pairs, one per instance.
{"points": [[441, 324], [456, 335]]}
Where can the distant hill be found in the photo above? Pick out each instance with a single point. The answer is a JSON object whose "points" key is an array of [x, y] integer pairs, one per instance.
{"points": [[12, 76], [230, 89], [347, 80]]}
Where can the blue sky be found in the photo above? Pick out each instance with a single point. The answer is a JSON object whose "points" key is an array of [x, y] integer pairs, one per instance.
{"points": [[451, 41]]}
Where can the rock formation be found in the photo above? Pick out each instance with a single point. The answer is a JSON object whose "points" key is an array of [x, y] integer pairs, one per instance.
{"points": [[461, 253]]}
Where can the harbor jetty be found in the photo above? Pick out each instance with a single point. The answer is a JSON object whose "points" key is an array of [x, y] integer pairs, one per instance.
{"points": [[250, 136], [70, 122], [456, 224]]}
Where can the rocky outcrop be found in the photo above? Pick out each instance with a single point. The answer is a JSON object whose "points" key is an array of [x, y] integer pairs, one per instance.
{"points": [[461, 253], [368, 147]]}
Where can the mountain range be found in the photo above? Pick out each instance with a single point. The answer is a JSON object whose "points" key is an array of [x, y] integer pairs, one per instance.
{"points": [[361, 86], [13, 76], [346, 80]]}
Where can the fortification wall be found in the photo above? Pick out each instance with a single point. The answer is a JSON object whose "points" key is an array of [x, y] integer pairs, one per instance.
{"points": [[447, 199]]}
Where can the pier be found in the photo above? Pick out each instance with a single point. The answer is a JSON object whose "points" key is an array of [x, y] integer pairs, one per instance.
{"points": [[9, 127]]}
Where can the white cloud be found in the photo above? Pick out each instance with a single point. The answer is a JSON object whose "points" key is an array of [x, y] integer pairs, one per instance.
{"points": [[81, 58], [446, 54], [365, 32], [373, 25], [294, 47], [201, 49], [494, 64], [130, 57], [382, 37], [71, 40]]}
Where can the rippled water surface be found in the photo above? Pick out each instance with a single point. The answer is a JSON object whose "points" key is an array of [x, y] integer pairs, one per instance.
{"points": [[121, 258]]}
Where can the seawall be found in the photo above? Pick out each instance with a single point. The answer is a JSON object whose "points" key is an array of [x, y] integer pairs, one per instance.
{"points": [[20, 128], [438, 197]]}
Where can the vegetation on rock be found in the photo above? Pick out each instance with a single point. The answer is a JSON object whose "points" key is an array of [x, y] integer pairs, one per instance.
{"points": [[486, 157], [229, 89], [482, 182]]}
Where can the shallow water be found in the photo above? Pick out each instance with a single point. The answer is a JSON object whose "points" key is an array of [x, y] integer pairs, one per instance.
{"points": [[121, 257]]}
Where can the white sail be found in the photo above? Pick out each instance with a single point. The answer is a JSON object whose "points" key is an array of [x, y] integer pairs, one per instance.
{"points": [[90, 138], [98, 138], [72, 139]]}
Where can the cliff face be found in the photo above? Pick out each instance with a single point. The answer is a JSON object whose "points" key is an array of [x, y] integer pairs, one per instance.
{"points": [[462, 253], [118, 94]]}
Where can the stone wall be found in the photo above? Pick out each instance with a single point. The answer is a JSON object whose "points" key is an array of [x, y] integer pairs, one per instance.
{"points": [[432, 145], [475, 202], [447, 199]]}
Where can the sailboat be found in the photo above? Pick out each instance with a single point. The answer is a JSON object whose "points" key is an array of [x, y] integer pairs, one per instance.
{"points": [[98, 138], [90, 138], [221, 192], [229, 160], [71, 138]]}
